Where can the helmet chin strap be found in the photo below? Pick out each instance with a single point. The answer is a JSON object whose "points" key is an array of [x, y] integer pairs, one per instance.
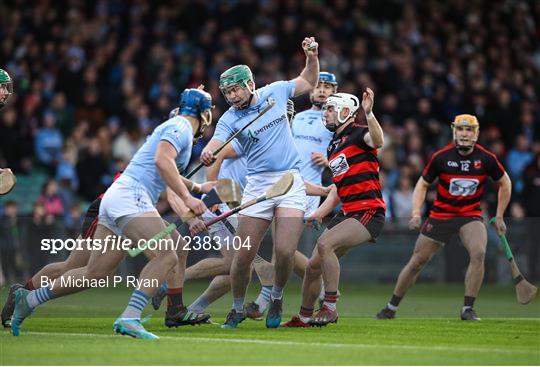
{"points": [[204, 121]]}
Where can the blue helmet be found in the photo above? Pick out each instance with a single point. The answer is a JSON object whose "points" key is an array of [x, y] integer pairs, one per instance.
{"points": [[193, 102], [326, 77]]}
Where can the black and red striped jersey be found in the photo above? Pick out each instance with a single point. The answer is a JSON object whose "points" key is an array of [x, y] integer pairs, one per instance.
{"points": [[461, 180], [355, 170]]}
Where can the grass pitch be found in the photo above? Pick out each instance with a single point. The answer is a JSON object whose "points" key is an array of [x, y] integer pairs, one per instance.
{"points": [[77, 330]]}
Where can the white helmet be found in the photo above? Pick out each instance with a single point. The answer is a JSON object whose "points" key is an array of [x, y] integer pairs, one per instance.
{"points": [[340, 101]]}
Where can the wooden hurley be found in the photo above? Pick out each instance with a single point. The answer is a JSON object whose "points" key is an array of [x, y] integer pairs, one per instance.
{"points": [[525, 291]]}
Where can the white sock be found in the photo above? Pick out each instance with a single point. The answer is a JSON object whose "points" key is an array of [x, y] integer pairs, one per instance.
{"points": [[391, 307], [277, 292], [39, 296], [263, 299], [199, 305]]}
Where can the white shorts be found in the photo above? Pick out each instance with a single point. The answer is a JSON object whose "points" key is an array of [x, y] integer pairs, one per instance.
{"points": [[259, 183], [125, 199], [312, 203]]}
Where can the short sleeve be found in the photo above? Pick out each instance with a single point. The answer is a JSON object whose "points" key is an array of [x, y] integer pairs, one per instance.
{"points": [[283, 89], [431, 172], [223, 130], [237, 148], [177, 135], [495, 169]]}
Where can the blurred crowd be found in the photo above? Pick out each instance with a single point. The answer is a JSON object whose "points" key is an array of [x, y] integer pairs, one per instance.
{"points": [[93, 78]]}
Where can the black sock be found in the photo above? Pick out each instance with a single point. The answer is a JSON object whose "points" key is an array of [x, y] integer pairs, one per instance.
{"points": [[395, 300], [469, 301], [174, 300]]}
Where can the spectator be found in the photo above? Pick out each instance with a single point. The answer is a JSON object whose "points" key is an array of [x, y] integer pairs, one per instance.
{"points": [[517, 159], [49, 142], [10, 243], [90, 169], [51, 201], [40, 226]]}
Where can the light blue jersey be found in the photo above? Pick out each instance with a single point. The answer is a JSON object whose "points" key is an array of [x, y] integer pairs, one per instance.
{"points": [[235, 168], [268, 142], [310, 135], [141, 168]]}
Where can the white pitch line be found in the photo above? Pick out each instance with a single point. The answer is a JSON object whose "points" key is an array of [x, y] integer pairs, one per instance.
{"points": [[309, 344]]}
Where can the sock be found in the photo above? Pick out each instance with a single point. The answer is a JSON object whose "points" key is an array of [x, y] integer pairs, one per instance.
{"points": [[468, 302], [136, 305], [330, 299], [39, 296], [394, 303], [199, 305], [30, 285], [305, 314], [238, 304], [277, 293], [263, 299], [174, 300]]}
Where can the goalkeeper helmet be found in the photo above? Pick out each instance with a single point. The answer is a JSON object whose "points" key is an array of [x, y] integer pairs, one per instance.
{"points": [[339, 102], [465, 141], [197, 103], [6, 87], [239, 75]]}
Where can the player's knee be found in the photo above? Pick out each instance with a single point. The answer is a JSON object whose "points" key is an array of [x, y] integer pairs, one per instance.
{"points": [[418, 262], [478, 256], [323, 247], [97, 273], [313, 267], [170, 259], [284, 252]]}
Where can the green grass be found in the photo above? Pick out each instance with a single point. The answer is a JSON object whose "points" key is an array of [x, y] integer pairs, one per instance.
{"points": [[78, 330]]}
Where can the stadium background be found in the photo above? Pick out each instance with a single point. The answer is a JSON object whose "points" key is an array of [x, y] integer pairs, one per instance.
{"points": [[92, 78]]}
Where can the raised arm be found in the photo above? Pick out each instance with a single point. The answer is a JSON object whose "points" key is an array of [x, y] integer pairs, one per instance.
{"points": [[375, 137], [308, 78]]}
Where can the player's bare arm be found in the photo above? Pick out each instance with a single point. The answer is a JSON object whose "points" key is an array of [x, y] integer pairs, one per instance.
{"points": [[196, 225], [375, 137], [332, 200], [505, 192], [319, 159], [317, 190], [419, 195], [308, 78], [212, 171], [207, 156], [165, 163]]}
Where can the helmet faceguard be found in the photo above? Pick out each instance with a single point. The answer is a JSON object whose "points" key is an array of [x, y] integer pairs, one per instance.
{"points": [[339, 102], [324, 78], [238, 75], [465, 121], [196, 103], [290, 110], [6, 87]]}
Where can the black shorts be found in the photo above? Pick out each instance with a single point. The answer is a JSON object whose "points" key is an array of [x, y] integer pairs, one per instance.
{"points": [[442, 230], [372, 219], [91, 219]]}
